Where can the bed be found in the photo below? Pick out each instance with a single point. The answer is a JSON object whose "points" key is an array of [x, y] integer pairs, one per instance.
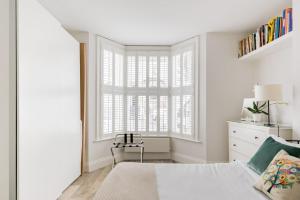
{"points": [[136, 181], [226, 181]]}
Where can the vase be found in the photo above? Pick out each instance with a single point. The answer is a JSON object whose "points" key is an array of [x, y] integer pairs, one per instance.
{"points": [[257, 117]]}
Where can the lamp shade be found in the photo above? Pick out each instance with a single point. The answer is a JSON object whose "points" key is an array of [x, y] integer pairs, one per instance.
{"points": [[268, 92]]}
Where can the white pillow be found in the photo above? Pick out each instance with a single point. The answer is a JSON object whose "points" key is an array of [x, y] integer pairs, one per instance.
{"points": [[282, 141]]}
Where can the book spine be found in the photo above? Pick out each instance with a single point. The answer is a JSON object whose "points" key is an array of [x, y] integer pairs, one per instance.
{"points": [[290, 19], [283, 21], [257, 39]]}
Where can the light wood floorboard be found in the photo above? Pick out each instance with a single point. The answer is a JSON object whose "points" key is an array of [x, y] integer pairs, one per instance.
{"points": [[86, 186]]}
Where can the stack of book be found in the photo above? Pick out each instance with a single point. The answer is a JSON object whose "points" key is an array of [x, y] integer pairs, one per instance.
{"points": [[266, 33]]}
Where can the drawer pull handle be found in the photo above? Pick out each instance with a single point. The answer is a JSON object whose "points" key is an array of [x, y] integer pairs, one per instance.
{"points": [[256, 137], [234, 160], [234, 131], [234, 145]]}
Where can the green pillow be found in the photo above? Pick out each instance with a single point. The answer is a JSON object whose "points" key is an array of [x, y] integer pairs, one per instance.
{"points": [[265, 154]]}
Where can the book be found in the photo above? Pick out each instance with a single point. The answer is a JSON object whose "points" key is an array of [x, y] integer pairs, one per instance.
{"points": [[271, 25], [284, 22]]}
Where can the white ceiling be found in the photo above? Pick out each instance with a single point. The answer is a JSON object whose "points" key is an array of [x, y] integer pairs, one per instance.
{"points": [[162, 22]]}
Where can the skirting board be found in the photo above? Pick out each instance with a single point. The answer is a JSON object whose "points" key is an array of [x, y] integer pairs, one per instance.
{"points": [[181, 158]]}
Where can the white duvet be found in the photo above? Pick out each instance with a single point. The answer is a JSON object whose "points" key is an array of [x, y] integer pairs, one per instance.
{"points": [[232, 181]]}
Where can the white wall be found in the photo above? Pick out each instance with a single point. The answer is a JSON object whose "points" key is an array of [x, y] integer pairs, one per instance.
{"points": [[7, 100], [277, 69], [49, 105], [296, 69], [228, 82]]}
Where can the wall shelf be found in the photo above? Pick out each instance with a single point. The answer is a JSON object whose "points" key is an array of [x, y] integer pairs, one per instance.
{"points": [[270, 48]]}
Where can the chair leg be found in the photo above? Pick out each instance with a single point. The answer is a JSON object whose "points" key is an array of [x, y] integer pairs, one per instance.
{"points": [[113, 155], [142, 154]]}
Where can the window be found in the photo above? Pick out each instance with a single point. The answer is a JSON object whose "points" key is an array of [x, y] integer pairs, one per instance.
{"points": [[182, 93], [149, 92]]}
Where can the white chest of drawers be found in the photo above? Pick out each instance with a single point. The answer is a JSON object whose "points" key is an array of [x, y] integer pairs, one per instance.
{"points": [[246, 138]]}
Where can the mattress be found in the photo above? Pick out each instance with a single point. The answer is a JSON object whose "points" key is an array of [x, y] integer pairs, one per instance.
{"points": [[136, 181]]}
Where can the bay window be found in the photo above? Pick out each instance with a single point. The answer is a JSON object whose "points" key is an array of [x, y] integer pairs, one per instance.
{"points": [[145, 91]]}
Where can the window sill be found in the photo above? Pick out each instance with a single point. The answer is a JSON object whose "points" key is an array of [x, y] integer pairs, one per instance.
{"points": [[187, 139], [153, 136]]}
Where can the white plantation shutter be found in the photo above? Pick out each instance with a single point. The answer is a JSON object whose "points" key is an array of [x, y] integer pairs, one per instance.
{"points": [[107, 67], [176, 71], [164, 70], [107, 113], [182, 93], [187, 68], [176, 107], [152, 71], [163, 113], [142, 63], [119, 113], [152, 113], [131, 112], [131, 71], [187, 114], [142, 120], [119, 72]]}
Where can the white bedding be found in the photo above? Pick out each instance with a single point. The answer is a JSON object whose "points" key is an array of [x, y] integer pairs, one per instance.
{"points": [[232, 181]]}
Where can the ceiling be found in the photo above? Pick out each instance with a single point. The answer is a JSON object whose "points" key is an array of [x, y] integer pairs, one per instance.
{"points": [[162, 22]]}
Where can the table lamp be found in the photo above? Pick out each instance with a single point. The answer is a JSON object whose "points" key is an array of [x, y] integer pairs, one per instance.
{"points": [[272, 92]]}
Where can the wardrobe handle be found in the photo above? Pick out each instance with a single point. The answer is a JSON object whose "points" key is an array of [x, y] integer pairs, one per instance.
{"points": [[234, 131], [234, 145]]}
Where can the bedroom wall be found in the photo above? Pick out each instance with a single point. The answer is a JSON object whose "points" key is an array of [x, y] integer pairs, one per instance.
{"points": [[228, 82], [49, 105], [277, 69], [7, 100], [296, 69]]}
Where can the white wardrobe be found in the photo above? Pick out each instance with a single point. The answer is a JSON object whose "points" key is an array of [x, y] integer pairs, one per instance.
{"points": [[49, 127]]}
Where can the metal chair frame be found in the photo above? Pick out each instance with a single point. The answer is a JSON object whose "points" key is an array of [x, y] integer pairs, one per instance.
{"points": [[123, 145]]}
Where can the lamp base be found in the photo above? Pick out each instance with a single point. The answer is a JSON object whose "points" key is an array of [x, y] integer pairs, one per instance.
{"points": [[270, 125]]}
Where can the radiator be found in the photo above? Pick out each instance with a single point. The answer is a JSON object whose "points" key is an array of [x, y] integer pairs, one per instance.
{"points": [[153, 145]]}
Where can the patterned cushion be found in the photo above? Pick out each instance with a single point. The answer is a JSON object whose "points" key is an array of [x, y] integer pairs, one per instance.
{"points": [[281, 179]]}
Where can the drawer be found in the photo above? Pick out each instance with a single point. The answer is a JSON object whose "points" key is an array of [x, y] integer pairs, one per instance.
{"points": [[253, 136], [234, 156], [243, 147]]}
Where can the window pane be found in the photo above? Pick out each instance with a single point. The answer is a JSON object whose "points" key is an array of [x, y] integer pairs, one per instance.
{"points": [[131, 113], [187, 68], [107, 114], [142, 71], [152, 71], [176, 71], [164, 64], [142, 113], [176, 114], [163, 113], [131, 71], [187, 115], [152, 113], [119, 70], [119, 113], [107, 67]]}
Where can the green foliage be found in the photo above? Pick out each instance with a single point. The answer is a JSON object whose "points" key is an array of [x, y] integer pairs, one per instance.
{"points": [[258, 109]]}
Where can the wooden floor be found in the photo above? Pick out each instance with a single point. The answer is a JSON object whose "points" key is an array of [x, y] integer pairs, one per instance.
{"points": [[85, 187]]}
